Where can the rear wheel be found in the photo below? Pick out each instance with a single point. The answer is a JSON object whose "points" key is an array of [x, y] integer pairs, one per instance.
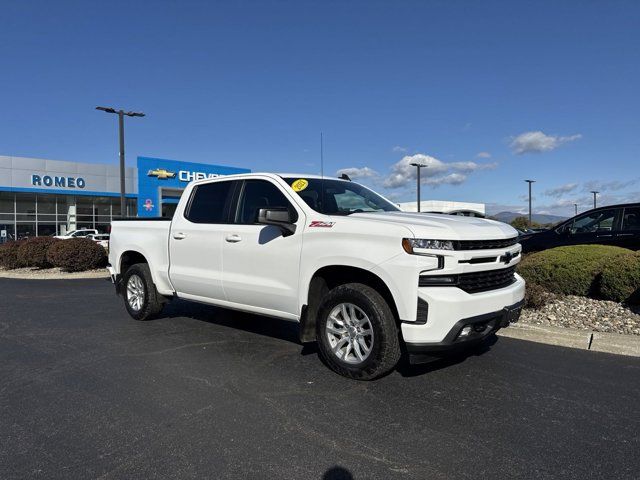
{"points": [[357, 332], [141, 298]]}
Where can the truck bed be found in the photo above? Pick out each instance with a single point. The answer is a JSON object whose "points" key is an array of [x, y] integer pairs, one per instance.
{"points": [[148, 237]]}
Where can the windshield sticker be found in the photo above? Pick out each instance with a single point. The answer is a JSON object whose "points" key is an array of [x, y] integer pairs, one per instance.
{"points": [[318, 223], [300, 185]]}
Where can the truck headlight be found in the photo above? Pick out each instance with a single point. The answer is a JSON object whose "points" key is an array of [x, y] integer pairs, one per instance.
{"points": [[413, 245]]}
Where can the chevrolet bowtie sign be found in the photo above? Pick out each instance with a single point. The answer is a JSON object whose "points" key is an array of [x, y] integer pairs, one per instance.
{"points": [[183, 175], [161, 173]]}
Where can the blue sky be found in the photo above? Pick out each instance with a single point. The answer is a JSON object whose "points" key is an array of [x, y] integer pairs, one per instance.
{"points": [[486, 93]]}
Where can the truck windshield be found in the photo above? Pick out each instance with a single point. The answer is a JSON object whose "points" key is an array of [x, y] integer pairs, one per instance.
{"points": [[339, 197]]}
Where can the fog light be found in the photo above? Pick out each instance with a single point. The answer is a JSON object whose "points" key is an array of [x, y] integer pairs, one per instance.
{"points": [[465, 331]]}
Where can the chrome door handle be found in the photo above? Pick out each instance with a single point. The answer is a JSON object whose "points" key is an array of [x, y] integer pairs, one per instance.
{"points": [[233, 238], [624, 235], [179, 236]]}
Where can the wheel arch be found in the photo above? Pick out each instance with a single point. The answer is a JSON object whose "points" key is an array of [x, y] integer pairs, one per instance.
{"points": [[331, 276], [130, 258]]}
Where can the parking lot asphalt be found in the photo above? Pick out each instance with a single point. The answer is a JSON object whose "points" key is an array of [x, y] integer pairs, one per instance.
{"points": [[87, 392]]}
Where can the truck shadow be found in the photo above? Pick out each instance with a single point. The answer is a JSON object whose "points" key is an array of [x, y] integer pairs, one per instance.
{"points": [[446, 360], [288, 331], [258, 324]]}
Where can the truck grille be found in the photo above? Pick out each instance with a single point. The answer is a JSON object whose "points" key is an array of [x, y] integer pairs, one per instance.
{"points": [[484, 244], [472, 282], [488, 280]]}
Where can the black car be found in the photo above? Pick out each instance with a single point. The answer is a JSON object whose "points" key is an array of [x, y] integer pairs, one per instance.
{"points": [[617, 225]]}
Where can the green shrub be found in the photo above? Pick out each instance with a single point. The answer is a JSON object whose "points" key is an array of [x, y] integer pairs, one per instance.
{"points": [[77, 255], [33, 252], [536, 297], [9, 255], [620, 280], [572, 270]]}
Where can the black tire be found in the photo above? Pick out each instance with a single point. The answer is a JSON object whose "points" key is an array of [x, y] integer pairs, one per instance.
{"points": [[385, 346], [151, 301]]}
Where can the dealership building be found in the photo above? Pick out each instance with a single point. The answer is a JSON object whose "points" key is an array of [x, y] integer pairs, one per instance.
{"points": [[47, 197]]}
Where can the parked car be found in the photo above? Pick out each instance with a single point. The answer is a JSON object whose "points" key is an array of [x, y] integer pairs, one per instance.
{"points": [[85, 232], [359, 275], [101, 239], [617, 225]]}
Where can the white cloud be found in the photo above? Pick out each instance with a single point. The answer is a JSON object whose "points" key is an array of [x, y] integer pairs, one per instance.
{"points": [[614, 185], [354, 172], [537, 142], [399, 149], [436, 172], [561, 190], [469, 167], [451, 179], [483, 155]]}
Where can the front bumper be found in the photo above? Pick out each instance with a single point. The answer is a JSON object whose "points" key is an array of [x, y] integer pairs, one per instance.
{"points": [[478, 328], [448, 308]]}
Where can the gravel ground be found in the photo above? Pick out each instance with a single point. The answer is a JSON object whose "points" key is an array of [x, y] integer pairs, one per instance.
{"points": [[51, 274], [585, 314]]}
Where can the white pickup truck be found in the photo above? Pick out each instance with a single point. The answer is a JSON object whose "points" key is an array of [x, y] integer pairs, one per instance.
{"points": [[364, 279]]}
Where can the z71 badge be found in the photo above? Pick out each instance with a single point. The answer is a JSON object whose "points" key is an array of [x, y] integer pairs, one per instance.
{"points": [[317, 223]]}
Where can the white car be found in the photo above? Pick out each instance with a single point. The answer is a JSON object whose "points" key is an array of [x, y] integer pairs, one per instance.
{"points": [[101, 239], [362, 278], [85, 232]]}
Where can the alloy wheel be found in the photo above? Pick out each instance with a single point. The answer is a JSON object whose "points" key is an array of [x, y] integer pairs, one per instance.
{"points": [[350, 333]]}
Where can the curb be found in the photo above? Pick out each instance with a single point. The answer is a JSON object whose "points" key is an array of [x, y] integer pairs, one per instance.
{"points": [[616, 343], [53, 276]]}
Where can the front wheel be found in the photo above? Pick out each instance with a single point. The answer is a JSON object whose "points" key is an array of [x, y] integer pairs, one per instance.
{"points": [[141, 298], [357, 332]]}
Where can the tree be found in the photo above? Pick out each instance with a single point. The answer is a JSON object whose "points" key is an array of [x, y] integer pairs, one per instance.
{"points": [[521, 223]]}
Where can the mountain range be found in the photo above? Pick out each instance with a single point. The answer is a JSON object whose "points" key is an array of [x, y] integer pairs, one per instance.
{"points": [[508, 217]]}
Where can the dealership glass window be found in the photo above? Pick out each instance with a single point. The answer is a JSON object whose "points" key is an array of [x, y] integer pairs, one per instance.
{"points": [[102, 206], [46, 204], [26, 204], [84, 206], [6, 202], [46, 228], [66, 209], [26, 230], [132, 207], [9, 228]]}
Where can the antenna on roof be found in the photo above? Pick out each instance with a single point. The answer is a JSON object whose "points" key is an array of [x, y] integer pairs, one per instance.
{"points": [[321, 157], [321, 174], [344, 176]]}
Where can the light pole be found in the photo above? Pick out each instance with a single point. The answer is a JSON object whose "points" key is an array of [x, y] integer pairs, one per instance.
{"points": [[418, 166], [121, 113], [530, 182], [576, 207], [595, 193]]}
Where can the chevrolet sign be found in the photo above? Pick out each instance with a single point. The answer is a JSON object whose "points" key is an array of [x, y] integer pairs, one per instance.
{"points": [[161, 173]]}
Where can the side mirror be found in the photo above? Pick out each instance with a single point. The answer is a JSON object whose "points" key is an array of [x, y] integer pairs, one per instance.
{"points": [[280, 217]]}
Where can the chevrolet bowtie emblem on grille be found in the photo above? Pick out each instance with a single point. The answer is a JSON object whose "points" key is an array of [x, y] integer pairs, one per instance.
{"points": [[506, 258], [161, 173]]}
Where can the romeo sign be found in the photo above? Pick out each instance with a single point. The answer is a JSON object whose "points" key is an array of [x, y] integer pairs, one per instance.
{"points": [[58, 182]]}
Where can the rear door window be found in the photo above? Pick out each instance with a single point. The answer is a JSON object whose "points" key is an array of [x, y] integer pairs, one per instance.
{"points": [[631, 219], [210, 203]]}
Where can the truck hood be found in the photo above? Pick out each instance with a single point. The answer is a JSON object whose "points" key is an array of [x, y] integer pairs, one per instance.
{"points": [[442, 226]]}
